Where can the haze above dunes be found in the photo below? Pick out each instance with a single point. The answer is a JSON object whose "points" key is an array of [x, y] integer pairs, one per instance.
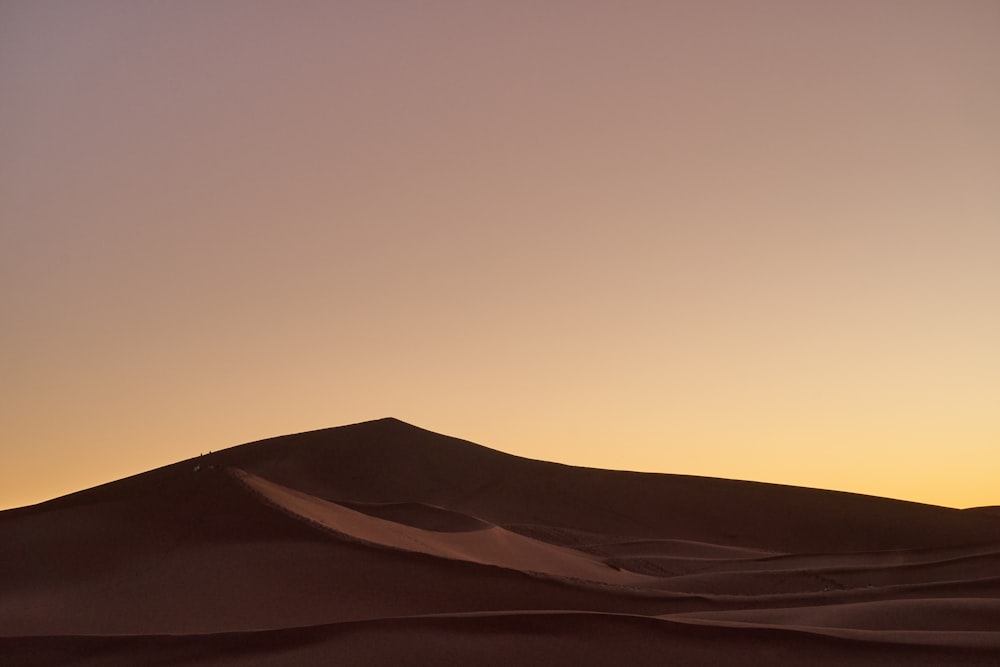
{"points": [[383, 543]]}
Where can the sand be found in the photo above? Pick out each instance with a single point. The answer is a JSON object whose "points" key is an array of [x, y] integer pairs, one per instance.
{"points": [[384, 544]]}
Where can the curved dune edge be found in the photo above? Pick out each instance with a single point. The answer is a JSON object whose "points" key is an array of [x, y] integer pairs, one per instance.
{"points": [[648, 636], [917, 614], [677, 622], [677, 548], [941, 622], [419, 515], [951, 639], [489, 546]]}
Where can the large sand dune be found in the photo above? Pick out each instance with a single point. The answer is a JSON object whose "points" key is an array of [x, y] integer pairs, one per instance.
{"points": [[384, 544]]}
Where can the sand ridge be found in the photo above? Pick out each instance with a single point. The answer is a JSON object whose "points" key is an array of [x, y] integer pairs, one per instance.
{"points": [[490, 545]]}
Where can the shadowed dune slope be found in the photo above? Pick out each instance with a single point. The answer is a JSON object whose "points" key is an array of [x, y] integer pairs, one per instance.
{"points": [[388, 460], [550, 639], [383, 543], [918, 615], [203, 553]]}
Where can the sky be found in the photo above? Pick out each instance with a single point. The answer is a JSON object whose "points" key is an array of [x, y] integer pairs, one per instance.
{"points": [[754, 240]]}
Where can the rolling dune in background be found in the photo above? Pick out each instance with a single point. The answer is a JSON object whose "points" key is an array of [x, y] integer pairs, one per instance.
{"points": [[382, 543]]}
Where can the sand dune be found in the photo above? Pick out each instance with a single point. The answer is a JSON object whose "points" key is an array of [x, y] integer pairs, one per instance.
{"points": [[938, 614], [490, 545], [381, 543]]}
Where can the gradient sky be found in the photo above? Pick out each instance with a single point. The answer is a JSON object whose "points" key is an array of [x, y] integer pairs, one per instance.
{"points": [[757, 240]]}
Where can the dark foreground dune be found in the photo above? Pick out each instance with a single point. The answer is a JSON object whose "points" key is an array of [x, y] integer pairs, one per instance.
{"points": [[384, 544]]}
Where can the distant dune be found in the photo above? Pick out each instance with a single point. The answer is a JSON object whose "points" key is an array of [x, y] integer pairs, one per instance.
{"points": [[384, 544]]}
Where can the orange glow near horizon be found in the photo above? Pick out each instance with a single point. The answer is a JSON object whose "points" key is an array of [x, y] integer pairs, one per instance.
{"points": [[748, 240]]}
